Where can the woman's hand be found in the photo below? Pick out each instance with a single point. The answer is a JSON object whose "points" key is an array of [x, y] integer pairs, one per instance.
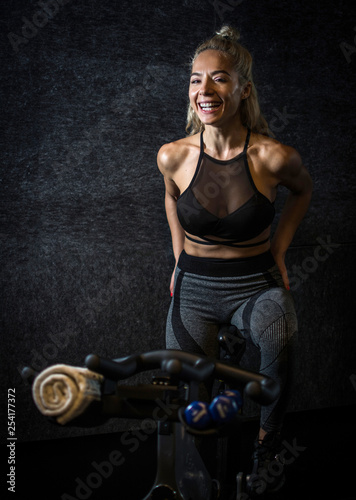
{"points": [[280, 261], [171, 286]]}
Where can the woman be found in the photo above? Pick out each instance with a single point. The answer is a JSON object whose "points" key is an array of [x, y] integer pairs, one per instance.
{"points": [[221, 181]]}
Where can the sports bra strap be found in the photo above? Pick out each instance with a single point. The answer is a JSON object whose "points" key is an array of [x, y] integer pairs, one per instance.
{"points": [[245, 146], [231, 243], [247, 140], [201, 142]]}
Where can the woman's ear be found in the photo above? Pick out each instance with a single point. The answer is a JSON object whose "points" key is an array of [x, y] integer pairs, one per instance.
{"points": [[246, 90]]}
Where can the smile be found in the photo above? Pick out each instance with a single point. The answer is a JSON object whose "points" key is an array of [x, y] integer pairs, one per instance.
{"points": [[209, 107]]}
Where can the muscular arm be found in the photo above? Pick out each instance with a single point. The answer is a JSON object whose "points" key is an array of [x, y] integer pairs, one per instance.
{"points": [[166, 164], [290, 173], [176, 229]]}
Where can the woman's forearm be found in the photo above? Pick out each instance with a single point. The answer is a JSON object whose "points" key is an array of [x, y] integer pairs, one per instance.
{"points": [[292, 214], [297, 179], [177, 232], [291, 217]]}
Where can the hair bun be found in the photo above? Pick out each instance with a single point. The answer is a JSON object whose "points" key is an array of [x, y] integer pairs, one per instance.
{"points": [[229, 33]]}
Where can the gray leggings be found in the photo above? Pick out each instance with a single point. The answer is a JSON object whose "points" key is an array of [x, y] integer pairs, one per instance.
{"points": [[247, 293]]}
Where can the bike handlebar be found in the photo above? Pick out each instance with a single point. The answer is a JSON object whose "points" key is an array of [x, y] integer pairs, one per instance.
{"points": [[187, 367]]}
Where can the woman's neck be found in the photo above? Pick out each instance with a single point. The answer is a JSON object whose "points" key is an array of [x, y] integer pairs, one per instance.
{"points": [[224, 143]]}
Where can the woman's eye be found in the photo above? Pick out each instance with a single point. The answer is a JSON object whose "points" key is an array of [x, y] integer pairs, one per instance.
{"points": [[194, 81]]}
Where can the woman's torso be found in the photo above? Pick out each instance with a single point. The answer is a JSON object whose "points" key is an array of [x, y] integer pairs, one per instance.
{"points": [[225, 206]]}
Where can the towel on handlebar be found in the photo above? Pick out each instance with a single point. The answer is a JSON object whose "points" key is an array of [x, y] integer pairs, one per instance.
{"points": [[64, 392]]}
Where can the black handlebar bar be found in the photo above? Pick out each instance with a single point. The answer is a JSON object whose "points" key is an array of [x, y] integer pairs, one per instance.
{"points": [[187, 367]]}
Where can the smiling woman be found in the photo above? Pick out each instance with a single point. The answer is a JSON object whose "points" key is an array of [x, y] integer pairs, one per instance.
{"points": [[251, 115], [221, 182]]}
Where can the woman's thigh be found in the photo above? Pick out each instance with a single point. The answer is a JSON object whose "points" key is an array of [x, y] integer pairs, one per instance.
{"points": [[193, 322], [269, 319]]}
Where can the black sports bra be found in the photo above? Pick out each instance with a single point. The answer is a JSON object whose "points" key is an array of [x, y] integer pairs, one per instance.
{"points": [[222, 201]]}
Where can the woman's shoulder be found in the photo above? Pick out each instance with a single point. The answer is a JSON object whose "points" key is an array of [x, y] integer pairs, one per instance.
{"points": [[171, 156], [273, 154]]}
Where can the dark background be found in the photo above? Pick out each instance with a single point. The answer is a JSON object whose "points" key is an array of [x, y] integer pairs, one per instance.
{"points": [[86, 256]]}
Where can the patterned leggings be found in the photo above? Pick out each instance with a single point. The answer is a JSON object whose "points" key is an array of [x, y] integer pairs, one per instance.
{"points": [[247, 293]]}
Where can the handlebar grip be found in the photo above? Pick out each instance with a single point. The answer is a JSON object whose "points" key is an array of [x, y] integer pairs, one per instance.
{"points": [[28, 374], [263, 392], [270, 391], [259, 388], [110, 369], [201, 371]]}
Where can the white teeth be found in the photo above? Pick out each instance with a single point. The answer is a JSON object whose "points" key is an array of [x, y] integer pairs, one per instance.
{"points": [[209, 105]]}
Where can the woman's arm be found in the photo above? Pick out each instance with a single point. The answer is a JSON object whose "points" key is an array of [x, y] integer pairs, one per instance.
{"points": [[293, 175], [166, 165], [177, 232], [176, 229]]}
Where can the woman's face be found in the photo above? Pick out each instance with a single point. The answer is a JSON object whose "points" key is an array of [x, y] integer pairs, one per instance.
{"points": [[215, 90]]}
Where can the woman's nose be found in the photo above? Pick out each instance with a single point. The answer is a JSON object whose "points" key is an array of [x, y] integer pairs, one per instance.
{"points": [[206, 88]]}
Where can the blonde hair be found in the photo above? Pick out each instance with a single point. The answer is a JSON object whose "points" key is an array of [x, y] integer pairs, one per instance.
{"points": [[226, 40]]}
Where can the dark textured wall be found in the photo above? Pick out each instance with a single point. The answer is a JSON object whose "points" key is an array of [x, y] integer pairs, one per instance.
{"points": [[89, 96]]}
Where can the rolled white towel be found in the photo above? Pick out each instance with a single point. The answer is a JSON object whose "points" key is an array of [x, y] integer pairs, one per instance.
{"points": [[64, 391]]}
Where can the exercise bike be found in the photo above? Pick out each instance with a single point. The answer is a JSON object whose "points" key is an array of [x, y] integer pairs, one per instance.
{"points": [[182, 473]]}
